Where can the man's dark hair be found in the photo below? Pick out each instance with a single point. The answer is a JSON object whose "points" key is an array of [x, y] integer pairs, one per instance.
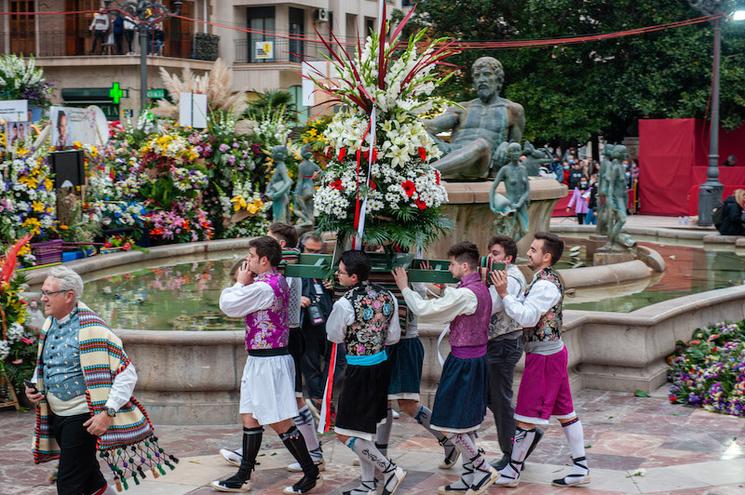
{"points": [[552, 244], [310, 236], [507, 243], [60, 114], [465, 252], [269, 247], [356, 263], [285, 232]]}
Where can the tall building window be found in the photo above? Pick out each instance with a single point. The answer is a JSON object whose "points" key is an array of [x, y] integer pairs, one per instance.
{"points": [[261, 45], [297, 32], [22, 27]]}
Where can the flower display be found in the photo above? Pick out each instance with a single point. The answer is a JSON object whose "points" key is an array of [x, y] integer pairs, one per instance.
{"points": [[21, 80], [17, 343], [709, 370], [404, 194]]}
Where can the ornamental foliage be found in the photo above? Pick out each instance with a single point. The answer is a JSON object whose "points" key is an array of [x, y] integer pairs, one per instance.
{"points": [[709, 370], [401, 190]]}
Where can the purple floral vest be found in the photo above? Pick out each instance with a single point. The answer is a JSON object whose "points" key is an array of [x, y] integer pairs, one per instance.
{"points": [[373, 311], [472, 330], [549, 325], [268, 328]]}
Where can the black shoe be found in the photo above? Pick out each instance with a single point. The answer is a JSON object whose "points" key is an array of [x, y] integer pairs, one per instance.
{"points": [[234, 484], [536, 439], [306, 484], [501, 463]]}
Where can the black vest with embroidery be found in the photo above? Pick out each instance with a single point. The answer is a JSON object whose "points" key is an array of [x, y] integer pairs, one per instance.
{"points": [[373, 311], [549, 325]]}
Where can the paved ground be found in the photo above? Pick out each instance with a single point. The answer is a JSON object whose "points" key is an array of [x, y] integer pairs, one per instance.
{"points": [[634, 445]]}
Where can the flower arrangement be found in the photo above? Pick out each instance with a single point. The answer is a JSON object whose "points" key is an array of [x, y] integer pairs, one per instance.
{"points": [[27, 198], [246, 211], [709, 370], [17, 344], [20, 79], [404, 193]]}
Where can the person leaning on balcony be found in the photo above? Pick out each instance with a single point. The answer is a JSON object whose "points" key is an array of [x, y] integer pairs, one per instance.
{"points": [[99, 26]]}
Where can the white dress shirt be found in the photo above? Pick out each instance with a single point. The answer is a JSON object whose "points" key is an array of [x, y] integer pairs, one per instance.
{"points": [[239, 300], [342, 315], [454, 302], [527, 310]]}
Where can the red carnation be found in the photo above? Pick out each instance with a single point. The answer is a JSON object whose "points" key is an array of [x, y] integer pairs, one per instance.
{"points": [[336, 185], [420, 204], [422, 153], [342, 154], [366, 154], [409, 187]]}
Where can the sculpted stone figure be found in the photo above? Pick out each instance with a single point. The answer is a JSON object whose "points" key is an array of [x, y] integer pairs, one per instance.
{"points": [[512, 209], [603, 184], [304, 187], [478, 126], [278, 190], [535, 158], [616, 201]]}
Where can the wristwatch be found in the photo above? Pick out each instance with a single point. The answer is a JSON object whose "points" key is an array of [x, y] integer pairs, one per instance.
{"points": [[110, 412]]}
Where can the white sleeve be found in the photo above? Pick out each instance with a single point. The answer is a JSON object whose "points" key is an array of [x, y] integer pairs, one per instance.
{"points": [[342, 315], [239, 300], [122, 387], [513, 289], [453, 302], [394, 328], [543, 296]]}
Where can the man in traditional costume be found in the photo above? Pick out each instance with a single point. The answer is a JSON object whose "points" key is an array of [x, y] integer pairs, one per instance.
{"points": [[544, 389], [365, 319], [460, 401], [286, 236], [261, 296], [505, 347], [83, 395]]}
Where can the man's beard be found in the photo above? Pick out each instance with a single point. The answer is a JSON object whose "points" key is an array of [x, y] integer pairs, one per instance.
{"points": [[485, 93]]}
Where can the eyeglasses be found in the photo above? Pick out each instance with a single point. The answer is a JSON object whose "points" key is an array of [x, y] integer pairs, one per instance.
{"points": [[47, 293], [342, 273]]}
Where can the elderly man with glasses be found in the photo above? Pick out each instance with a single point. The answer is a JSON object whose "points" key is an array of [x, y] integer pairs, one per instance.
{"points": [[82, 389]]}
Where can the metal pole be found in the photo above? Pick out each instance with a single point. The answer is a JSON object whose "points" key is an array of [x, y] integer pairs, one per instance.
{"points": [[143, 68], [710, 192]]}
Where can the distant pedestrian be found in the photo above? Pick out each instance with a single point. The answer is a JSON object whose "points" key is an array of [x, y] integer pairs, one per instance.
{"points": [[99, 27]]}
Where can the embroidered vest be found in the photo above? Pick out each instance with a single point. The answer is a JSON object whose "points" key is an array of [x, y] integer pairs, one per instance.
{"points": [[549, 325], [63, 374], [373, 310], [500, 324], [268, 328], [471, 330]]}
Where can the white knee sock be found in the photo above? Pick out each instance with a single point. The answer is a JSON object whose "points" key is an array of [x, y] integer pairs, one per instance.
{"points": [[576, 439], [367, 451], [383, 432], [307, 426], [522, 442]]}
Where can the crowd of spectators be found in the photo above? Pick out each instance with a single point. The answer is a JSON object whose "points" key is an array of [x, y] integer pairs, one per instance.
{"points": [[110, 31]]}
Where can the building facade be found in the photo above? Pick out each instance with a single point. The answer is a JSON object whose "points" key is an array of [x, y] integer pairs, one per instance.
{"points": [[263, 41]]}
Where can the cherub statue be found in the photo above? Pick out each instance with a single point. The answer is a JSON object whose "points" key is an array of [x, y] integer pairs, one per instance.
{"points": [[304, 190], [512, 209], [278, 190]]}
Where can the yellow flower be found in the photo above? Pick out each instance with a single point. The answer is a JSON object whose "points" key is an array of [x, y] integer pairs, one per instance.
{"points": [[22, 152], [63, 226], [26, 249], [33, 225], [239, 203], [30, 182], [77, 144], [50, 210], [37, 206], [48, 184]]}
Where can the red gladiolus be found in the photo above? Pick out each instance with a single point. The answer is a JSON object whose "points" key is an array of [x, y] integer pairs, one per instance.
{"points": [[27, 341], [422, 153], [127, 246], [420, 204], [342, 154], [437, 177], [373, 186], [409, 187], [107, 244], [336, 185]]}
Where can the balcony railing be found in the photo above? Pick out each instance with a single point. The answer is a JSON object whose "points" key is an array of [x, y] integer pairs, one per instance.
{"points": [[61, 44], [277, 50]]}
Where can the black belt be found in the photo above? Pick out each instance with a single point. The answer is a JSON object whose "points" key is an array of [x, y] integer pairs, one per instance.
{"points": [[279, 351]]}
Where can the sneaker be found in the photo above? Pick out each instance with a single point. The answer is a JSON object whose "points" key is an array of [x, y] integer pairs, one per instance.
{"points": [[393, 476], [232, 457], [295, 467], [234, 484], [305, 485]]}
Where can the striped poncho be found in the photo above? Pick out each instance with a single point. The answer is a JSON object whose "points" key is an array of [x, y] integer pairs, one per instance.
{"points": [[129, 447]]}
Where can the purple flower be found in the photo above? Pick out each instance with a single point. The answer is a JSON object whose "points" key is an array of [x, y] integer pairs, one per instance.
{"points": [[224, 148]]}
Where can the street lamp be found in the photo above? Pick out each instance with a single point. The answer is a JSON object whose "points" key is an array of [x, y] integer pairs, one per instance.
{"points": [[145, 14], [710, 192]]}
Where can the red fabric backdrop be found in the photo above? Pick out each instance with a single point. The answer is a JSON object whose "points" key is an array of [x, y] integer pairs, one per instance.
{"points": [[673, 158]]}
